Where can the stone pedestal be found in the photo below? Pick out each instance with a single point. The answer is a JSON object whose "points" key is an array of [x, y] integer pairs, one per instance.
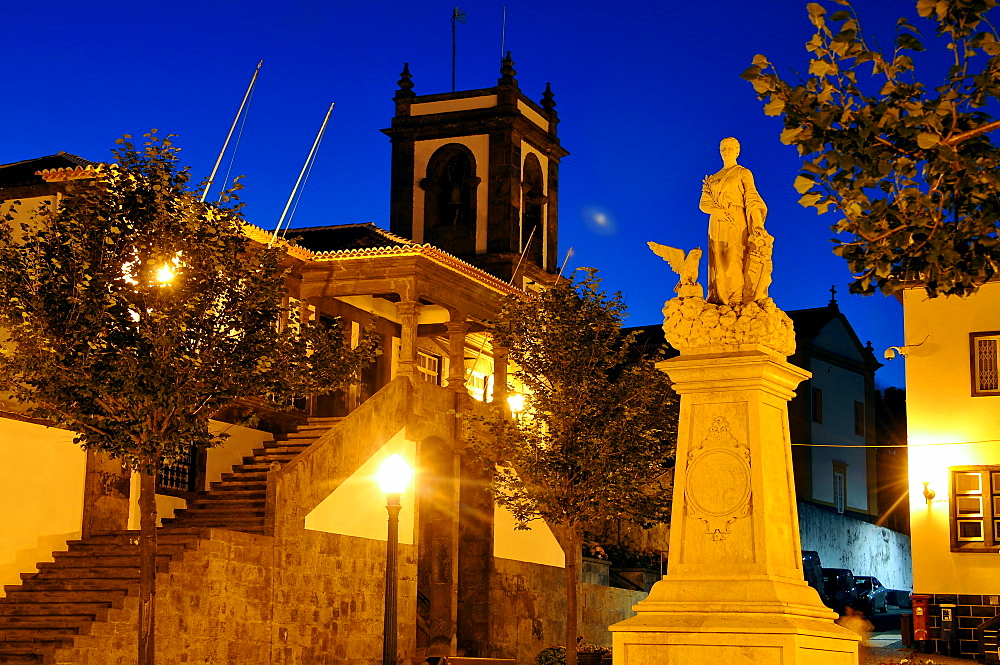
{"points": [[734, 593]]}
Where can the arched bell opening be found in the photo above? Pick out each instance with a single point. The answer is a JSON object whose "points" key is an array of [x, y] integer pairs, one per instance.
{"points": [[450, 199], [533, 211]]}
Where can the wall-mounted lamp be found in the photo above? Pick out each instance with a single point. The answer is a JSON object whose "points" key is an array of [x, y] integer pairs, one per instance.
{"points": [[929, 494], [904, 351], [891, 352]]}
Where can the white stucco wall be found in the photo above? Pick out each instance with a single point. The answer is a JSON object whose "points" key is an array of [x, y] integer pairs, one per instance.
{"points": [[947, 427], [844, 542], [841, 389]]}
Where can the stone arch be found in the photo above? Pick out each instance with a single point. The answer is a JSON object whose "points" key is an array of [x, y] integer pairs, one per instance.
{"points": [[450, 199], [533, 210]]}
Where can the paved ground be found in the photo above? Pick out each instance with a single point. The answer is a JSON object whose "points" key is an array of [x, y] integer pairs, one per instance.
{"points": [[887, 647]]}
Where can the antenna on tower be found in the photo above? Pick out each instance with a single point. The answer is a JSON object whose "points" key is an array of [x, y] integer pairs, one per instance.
{"points": [[211, 178]]}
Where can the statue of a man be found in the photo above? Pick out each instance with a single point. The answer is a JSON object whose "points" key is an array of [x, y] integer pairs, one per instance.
{"points": [[739, 249]]}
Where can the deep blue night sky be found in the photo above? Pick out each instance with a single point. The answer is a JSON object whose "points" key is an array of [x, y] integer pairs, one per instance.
{"points": [[645, 92]]}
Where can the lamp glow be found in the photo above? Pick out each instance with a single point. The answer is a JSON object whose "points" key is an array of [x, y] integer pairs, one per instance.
{"points": [[394, 475], [516, 403], [165, 274]]}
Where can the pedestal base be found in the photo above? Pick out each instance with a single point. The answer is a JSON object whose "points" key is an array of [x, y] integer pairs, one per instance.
{"points": [[736, 622]]}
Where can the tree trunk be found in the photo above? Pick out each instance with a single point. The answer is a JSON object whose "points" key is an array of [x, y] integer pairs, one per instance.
{"points": [[573, 554], [147, 565]]}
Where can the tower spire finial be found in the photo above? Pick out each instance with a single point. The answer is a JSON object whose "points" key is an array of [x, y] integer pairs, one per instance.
{"points": [[548, 99], [507, 72], [833, 295], [405, 82]]}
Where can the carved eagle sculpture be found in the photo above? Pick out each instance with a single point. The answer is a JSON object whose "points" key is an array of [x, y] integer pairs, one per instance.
{"points": [[686, 266]]}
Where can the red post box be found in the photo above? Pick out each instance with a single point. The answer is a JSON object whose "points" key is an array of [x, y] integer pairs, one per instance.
{"points": [[920, 606]]}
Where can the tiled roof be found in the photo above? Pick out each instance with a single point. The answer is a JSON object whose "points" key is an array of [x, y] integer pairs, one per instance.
{"points": [[27, 171], [393, 246], [345, 237]]}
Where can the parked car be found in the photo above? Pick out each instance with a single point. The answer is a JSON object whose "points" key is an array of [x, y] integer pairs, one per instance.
{"points": [[900, 598], [871, 594], [841, 589], [812, 570]]}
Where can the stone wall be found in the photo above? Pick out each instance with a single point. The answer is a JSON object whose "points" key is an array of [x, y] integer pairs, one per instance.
{"points": [[845, 542], [240, 599], [528, 605]]}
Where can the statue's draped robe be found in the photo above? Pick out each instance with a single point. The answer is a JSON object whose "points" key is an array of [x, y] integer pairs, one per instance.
{"points": [[729, 197]]}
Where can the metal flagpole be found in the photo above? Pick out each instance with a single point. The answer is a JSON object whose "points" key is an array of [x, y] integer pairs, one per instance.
{"points": [[211, 178], [457, 16], [503, 32], [312, 153]]}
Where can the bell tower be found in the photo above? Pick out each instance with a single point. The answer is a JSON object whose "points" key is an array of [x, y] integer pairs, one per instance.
{"points": [[476, 174]]}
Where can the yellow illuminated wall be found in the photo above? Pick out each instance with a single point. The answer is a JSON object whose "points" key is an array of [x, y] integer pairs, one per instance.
{"points": [[41, 495], [947, 427]]}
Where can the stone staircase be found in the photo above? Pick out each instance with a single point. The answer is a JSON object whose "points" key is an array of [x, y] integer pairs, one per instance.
{"points": [[93, 576], [237, 500]]}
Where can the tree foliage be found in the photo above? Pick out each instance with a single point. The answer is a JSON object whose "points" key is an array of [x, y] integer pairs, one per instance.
{"points": [[598, 432], [599, 427], [911, 168], [100, 341]]}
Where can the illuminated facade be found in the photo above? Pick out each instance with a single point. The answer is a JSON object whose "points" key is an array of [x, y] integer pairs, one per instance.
{"points": [[474, 187], [953, 412]]}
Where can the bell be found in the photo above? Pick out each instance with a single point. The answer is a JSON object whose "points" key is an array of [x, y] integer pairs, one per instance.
{"points": [[456, 196]]}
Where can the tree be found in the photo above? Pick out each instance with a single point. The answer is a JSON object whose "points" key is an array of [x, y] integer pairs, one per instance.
{"points": [[912, 169], [599, 430], [134, 312]]}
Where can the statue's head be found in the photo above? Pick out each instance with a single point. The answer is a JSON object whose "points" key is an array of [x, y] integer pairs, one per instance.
{"points": [[729, 148]]}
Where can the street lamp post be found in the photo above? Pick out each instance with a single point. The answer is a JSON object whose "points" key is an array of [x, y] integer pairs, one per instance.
{"points": [[393, 476]]}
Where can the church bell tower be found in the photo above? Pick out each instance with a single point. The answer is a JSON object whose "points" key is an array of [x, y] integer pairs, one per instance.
{"points": [[476, 174]]}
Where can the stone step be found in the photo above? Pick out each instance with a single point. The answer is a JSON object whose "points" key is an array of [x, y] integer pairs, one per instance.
{"points": [[245, 477], [267, 458], [224, 503], [54, 571], [226, 516], [102, 550], [279, 450], [26, 609], [253, 468], [10, 655], [233, 524], [19, 595], [249, 485], [101, 585], [29, 630], [132, 538], [232, 493], [77, 560], [38, 644], [301, 437]]}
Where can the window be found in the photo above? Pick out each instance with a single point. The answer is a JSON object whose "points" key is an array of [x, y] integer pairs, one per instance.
{"points": [[817, 405], [429, 367], [975, 508], [859, 418], [479, 386], [985, 375], [840, 486]]}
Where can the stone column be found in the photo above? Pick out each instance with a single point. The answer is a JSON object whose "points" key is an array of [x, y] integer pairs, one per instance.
{"points": [[456, 353], [500, 375], [734, 592], [106, 490], [408, 311]]}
